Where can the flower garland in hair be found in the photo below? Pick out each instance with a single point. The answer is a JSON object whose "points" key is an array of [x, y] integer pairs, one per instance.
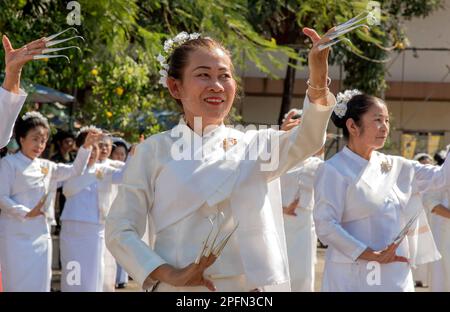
{"points": [[169, 46], [33, 115], [89, 128], [341, 101]]}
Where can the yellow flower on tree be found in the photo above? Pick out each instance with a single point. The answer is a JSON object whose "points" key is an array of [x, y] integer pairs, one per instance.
{"points": [[109, 114], [119, 91], [94, 72]]}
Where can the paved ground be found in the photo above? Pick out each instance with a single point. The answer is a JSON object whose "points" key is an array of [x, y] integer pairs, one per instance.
{"points": [[132, 286]]}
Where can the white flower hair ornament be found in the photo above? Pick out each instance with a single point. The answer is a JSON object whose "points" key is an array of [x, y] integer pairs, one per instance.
{"points": [[169, 46], [341, 101], [33, 115], [89, 128]]}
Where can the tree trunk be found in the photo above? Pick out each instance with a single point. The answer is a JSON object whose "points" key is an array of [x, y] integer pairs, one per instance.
{"points": [[288, 89]]}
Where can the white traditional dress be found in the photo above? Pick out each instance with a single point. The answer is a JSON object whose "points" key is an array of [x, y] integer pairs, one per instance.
{"points": [[10, 106], [301, 236], [440, 270], [88, 200], [362, 204], [179, 198], [25, 243]]}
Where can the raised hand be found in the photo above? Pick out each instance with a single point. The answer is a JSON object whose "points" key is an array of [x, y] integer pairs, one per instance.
{"points": [[15, 59], [92, 138], [318, 64]]}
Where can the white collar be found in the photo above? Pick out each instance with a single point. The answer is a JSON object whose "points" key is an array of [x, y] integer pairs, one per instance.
{"points": [[209, 134], [24, 158], [355, 157]]}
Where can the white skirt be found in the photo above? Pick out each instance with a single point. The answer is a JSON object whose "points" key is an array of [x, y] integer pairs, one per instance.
{"points": [[361, 276], [82, 256], [228, 284], [301, 243], [440, 270], [25, 254]]}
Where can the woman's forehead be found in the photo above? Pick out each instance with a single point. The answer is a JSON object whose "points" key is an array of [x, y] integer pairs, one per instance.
{"points": [[379, 108], [214, 58], [39, 130]]}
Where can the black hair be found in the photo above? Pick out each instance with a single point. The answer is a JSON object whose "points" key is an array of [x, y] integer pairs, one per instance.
{"points": [[81, 138], [117, 144], [61, 135], [22, 127], [357, 106], [179, 58]]}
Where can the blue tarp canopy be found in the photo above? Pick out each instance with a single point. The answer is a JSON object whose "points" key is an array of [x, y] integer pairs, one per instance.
{"points": [[43, 94]]}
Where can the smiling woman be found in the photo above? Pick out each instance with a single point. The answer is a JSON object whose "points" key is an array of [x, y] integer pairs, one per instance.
{"points": [[27, 188], [215, 219]]}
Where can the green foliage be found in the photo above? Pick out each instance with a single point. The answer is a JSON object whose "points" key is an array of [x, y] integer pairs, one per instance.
{"points": [[115, 77]]}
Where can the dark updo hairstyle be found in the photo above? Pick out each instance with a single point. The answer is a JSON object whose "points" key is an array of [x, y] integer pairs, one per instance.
{"points": [[22, 127], [81, 138], [179, 58], [357, 106]]}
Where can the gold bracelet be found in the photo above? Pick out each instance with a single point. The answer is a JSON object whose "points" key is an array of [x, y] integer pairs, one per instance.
{"points": [[319, 89], [319, 97]]}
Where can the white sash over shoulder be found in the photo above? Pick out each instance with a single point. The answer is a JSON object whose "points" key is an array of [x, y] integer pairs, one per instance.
{"points": [[215, 179], [369, 191]]}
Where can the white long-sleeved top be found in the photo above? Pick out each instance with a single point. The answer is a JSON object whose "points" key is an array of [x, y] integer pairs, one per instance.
{"points": [[362, 204], [89, 196], [23, 182], [359, 206], [10, 106], [177, 196]]}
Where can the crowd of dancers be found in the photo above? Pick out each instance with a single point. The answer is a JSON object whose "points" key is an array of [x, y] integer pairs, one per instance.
{"points": [[201, 208]]}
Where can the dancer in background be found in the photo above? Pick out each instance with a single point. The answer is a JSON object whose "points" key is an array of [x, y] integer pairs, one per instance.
{"points": [[88, 200], [27, 190], [298, 202]]}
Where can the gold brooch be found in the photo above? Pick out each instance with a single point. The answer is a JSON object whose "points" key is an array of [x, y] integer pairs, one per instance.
{"points": [[228, 142], [385, 166], [44, 170], [99, 174]]}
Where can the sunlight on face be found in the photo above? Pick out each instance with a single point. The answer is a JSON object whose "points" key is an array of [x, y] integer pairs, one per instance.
{"points": [[375, 126], [34, 143], [119, 153], [208, 88]]}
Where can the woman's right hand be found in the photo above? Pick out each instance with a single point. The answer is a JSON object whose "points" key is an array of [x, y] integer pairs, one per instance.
{"points": [[92, 138], [191, 275], [387, 255]]}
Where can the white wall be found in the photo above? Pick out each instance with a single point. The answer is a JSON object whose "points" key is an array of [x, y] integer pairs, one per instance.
{"points": [[431, 32]]}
